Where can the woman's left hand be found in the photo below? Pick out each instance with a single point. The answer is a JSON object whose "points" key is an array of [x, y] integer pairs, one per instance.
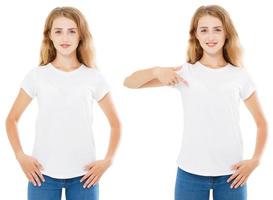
{"points": [[243, 170], [95, 171]]}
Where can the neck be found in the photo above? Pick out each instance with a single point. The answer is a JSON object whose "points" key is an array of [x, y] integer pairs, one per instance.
{"points": [[214, 61], [66, 63]]}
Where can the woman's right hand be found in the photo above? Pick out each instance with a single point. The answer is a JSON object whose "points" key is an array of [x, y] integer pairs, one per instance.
{"points": [[168, 75], [31, 168]]}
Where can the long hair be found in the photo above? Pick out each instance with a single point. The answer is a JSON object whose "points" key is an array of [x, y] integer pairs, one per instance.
{"points": [[85, 51], [232, 51]]}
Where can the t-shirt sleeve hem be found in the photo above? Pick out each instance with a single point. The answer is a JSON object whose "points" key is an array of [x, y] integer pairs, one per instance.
{"points": [[102, 94], [27, 92], [248, 94]]}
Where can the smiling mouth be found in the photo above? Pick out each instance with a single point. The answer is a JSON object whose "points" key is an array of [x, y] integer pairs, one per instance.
{"points": [[211, 44], [65, 45]]}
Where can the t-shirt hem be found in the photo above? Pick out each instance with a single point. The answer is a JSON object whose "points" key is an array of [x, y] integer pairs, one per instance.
{"points": [[62, 175], [205, 173]]}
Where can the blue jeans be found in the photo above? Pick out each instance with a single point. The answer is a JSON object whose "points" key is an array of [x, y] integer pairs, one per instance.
{"points": [[194, 187], [51, 189]]}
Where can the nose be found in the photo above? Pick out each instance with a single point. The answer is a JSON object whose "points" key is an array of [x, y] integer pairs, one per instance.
{"points": [[65, 37], [211, 36]]}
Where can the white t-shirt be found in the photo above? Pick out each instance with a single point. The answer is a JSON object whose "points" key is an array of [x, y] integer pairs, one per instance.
{"points": [[64, 142], [211, 137]]}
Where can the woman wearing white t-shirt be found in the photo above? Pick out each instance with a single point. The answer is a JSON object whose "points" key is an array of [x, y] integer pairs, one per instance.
{"points": [[211, 84], [65, 84]]}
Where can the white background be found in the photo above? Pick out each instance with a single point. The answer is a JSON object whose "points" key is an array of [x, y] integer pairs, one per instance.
{"points": [[131, 35]]}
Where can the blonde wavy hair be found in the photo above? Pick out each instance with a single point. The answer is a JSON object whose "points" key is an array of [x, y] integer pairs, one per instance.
{"points": [[85, 50], [232, 50]]}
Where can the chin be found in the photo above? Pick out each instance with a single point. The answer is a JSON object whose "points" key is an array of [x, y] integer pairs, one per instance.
{"points": [[211, 51], [65, 53]]}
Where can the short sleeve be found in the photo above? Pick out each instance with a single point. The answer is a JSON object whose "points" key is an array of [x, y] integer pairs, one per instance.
{"points": [[101, 86], [247, 86], [29, 83]]}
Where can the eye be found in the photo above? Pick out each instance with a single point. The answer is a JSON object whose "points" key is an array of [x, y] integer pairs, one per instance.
{"points": [[218, 30], [203, 30], [72, 31], [57, 32]]}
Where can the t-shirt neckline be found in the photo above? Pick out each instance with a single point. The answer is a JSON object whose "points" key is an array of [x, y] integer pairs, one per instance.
{"points": [[65, 72], [211, 68]]}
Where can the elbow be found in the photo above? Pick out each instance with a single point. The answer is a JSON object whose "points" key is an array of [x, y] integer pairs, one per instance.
{"points": [[265, 124], [262, 125], [129, 84], [11, 121], [117, 126], [126, 83]]}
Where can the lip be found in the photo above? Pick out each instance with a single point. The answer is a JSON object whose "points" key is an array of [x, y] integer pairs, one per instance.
{"points": [[211, 44], [65, 45]]}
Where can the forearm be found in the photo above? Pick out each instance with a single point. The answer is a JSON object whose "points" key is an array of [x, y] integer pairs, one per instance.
{"points": [[114, 141], [13, 136], [260, 141], [139, 78]]}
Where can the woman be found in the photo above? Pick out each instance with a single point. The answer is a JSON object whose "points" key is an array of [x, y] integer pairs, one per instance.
{"points": [[211, 84], [65, 84]]}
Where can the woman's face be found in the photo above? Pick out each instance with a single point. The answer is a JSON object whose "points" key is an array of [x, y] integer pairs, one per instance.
{"points": [[65, 36], [211, 34]]}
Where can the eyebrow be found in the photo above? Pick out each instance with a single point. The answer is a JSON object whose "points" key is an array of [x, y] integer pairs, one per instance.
{"points": [[213, 27], [68, 28]]}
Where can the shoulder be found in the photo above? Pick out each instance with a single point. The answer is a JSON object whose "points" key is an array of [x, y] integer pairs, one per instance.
{"points": [[33, 71], [241, 72], [188, 65], [241, 75], [90, 69], [185, 68], [92, 73], [40, 70]]}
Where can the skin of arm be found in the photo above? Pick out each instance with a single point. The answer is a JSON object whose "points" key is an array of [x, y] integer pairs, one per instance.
{"points": [[246, 167], [97, 168], [154, 77], [30, 166]]}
